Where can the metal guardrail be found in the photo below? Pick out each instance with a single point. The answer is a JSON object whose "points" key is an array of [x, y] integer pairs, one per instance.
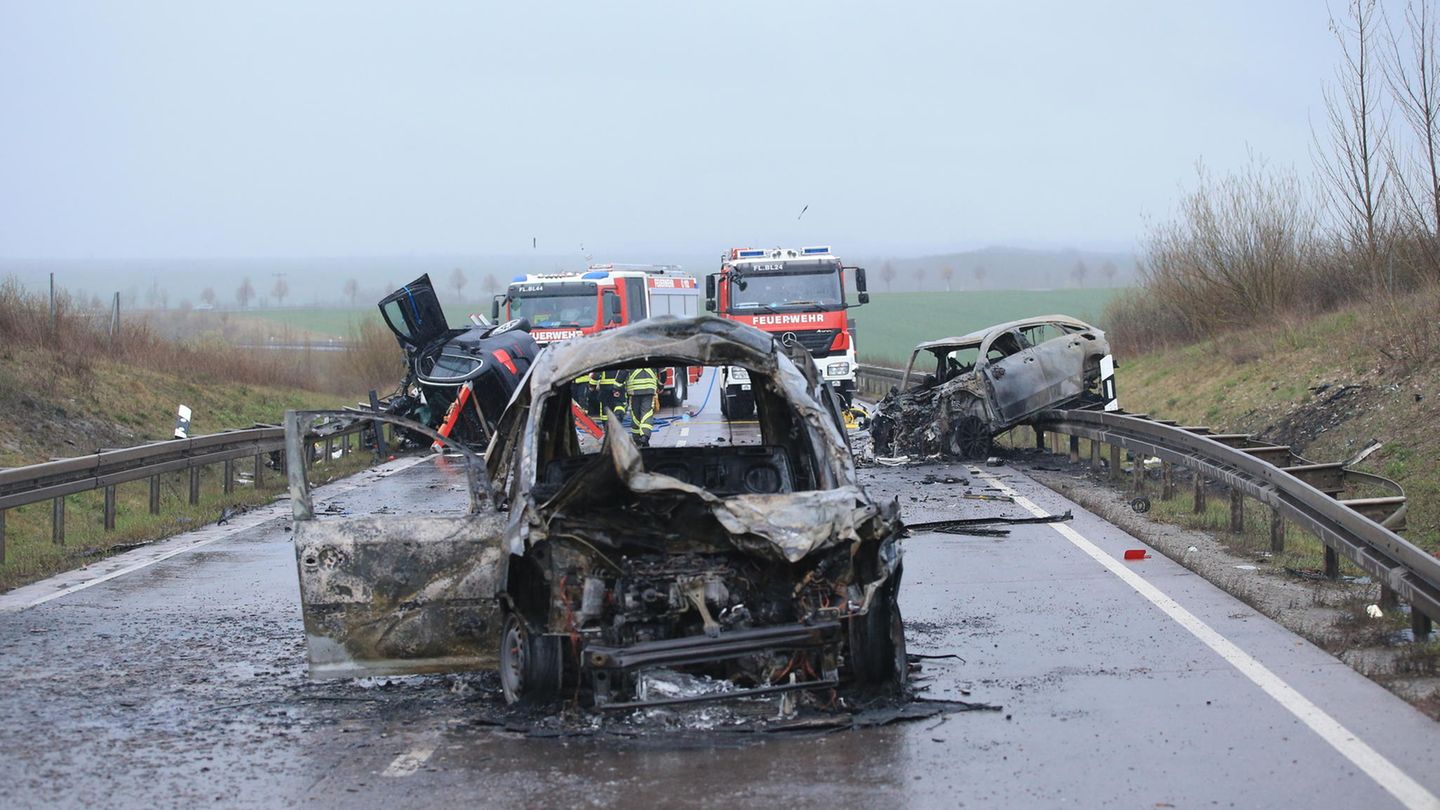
{"points": [[1311, 495], [105, 470]]}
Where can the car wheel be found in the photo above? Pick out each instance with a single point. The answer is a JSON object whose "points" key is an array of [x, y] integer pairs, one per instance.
{"points": [[530, 667], [877, 640], [969, 438]]}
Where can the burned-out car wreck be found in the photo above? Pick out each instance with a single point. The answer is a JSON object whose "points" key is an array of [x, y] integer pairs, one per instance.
{"points": [[959, 393], [760, 566]]}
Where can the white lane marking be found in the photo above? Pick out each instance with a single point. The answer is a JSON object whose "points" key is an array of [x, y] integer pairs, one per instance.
{"points": [[680, 442], [279, 510], [410, 761], [684, 431], [1409, 792]]}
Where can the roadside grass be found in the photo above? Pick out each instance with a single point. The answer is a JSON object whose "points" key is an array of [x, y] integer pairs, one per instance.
{"points": [[31, 554]]}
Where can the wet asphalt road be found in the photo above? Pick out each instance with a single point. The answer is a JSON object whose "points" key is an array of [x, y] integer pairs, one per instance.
{"points": [[183, 682]]}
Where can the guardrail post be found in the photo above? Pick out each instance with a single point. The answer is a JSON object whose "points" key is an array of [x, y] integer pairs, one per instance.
{"points": [[1074, 449], [1115, 471], [1167, 481], [1237, 511], [1039, 439], [1094, 455], [229, 476], [259, 469], [1277, 531], [2, 536], [345, 446], [57, 521], [194, 486], [1199, 493], [1389, 600], [154, 494], [329, 448], [309, 453], [379, 427], [1332, 563], [110, 508], [1137, 470]]}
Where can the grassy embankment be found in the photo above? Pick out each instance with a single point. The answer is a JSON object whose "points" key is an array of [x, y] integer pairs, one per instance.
{"points": [[72, 390], [1327, 386]]}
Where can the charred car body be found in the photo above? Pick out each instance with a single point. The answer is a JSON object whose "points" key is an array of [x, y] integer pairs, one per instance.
{"points": [[763, 565], [461, 376], [960, 392]]}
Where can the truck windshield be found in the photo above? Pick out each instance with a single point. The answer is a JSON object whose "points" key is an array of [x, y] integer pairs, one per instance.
{"points": [[806, 285], [548, 305]]}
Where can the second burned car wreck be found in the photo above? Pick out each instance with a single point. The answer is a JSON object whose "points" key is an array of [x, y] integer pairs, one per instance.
{"points": [[960, 392], [758, 563]]}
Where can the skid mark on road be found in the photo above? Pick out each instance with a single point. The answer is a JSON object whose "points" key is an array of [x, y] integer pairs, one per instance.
{"points": [[1385, 773]]}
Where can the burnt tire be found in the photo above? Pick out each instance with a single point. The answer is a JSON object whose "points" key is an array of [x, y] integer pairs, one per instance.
{"points": [[877, 641], [969, 437], [531, 667]]}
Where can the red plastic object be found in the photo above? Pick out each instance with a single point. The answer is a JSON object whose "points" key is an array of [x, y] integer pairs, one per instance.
{"points": [[1135, 554]]}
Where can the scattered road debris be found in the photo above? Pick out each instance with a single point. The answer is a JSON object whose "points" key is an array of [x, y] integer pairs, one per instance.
{"points": [[983, 526], [1141, 505], [1136, 554]]}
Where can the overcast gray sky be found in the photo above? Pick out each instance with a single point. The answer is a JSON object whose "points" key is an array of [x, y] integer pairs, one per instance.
{"points": [[348, 129]]}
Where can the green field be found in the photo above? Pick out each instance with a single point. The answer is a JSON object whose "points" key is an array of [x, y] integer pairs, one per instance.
{"points": [[890, 325]]}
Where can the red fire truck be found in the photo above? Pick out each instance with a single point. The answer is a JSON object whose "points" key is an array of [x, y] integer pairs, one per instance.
{"points": [[800, 296], [561, 306]]}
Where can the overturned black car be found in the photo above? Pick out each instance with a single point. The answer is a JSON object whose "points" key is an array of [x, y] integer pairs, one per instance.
{"points": [[457, 379], [760, 564]]}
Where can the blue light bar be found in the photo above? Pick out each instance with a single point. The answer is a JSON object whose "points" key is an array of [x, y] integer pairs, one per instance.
{"points": [[752, 254], [811, 251], [520, 277], [596, 274]]}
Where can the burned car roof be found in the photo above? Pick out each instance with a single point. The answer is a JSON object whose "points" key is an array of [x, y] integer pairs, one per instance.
{"points": [[979, 335]]}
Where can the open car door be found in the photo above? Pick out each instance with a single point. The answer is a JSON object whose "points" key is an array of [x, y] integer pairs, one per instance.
{"points": [[413, 313], [396, 594]]}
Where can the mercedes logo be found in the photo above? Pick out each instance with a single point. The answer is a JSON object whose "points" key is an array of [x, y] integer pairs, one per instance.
{"points": [[789, 339]]}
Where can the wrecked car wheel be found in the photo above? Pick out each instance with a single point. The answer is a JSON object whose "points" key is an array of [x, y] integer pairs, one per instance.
{"points": [[969, 438], [530, 666], [877, 641]]}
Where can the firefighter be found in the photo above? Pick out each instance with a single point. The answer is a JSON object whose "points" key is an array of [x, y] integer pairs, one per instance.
{"points": [[611, 394], [582, 392], [641, 387]]}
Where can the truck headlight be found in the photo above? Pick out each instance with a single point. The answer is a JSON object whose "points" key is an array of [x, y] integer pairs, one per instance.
{"points": [[837, 369], [739, 375]]}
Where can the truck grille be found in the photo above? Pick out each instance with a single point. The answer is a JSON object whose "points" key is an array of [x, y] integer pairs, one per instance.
{"points": [[815, 341]]}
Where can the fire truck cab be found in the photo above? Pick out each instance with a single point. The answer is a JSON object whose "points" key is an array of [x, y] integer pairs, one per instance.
{"points": [[561, 306], [799, 295]]}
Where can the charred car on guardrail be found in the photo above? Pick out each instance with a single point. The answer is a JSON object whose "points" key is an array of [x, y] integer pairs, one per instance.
{"points": [[960, 392], [590, 565]]}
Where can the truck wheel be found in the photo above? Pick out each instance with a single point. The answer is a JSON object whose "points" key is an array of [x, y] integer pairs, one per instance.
{"points": [[877, 641], [530, 667], [724, 404], [682, 386], [968, 438]]}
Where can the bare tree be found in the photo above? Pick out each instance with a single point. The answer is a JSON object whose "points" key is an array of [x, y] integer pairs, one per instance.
{"points": [[245, 294], [458, 281], [1412, 71], [1079, 272], [208, 296], [887, 275], [491, 284], [979, 273], [1354, 168], [919, 273], [1109, 270], [152, 295], [280, 290], [352, 289]]}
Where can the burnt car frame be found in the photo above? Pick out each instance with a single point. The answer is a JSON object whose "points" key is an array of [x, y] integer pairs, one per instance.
{"points": [[763, 565], [958, 393]]}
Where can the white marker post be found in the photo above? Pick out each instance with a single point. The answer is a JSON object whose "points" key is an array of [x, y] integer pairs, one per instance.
{"points": [[1107, 382], [182, 423]]}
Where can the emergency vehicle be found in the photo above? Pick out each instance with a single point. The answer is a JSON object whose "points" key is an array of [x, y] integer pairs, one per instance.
{"points": [[561, 306], [797, 295]]}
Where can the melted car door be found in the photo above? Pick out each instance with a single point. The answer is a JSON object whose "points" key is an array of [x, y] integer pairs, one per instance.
{"points": [[413, 313], [1014, 374]]}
